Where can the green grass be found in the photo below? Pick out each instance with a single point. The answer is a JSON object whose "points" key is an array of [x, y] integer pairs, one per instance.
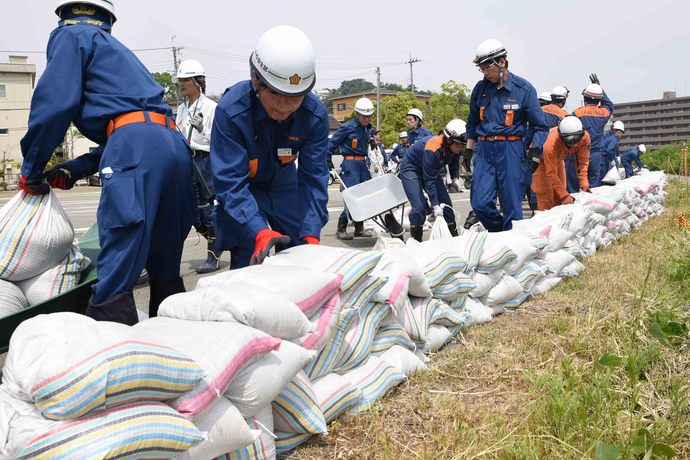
{"points": [[597, 368]]}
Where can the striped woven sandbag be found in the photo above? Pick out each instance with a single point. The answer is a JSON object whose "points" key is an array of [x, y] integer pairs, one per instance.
{"points": [[35, 235], [263, 448], [325, 360], [285, 442], [374, 379], [356, 346], [454, 286], [336, 395], [296, 409], [443, 314], [142, 430], [415, 318], [390, 333], [496, 255]]}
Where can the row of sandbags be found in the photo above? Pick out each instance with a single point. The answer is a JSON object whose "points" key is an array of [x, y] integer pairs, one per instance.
{"points": [[38, 259], [273, 353]]}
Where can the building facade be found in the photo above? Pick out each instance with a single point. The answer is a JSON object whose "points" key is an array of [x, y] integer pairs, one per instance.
{"points": [[17, 81], [344, 105], [656, 122]]}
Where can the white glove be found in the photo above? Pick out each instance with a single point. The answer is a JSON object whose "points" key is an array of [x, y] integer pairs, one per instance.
{"points": [[438, 212], [197, 121]]}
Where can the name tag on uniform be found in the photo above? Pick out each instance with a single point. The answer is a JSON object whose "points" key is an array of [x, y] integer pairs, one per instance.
{"points": [[283, 153], [511, 106]]}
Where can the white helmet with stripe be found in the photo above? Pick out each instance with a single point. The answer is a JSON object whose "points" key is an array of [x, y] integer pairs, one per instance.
{"points": [[106, 5]]}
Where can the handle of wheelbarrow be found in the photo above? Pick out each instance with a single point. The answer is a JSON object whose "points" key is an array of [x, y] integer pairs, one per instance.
{"points": [[337, 176]]}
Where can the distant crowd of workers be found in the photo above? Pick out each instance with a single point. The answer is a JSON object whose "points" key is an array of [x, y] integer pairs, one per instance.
{"points": [[230, 169]]}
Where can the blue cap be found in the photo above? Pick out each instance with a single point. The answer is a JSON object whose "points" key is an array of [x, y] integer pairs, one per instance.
{"points": [[373, 131]]}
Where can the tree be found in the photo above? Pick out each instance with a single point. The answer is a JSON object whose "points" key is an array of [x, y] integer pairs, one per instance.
{"points": [[68, 144], [358, 85], [393, 112], [165, 79], [451, 102], [4, 163]]}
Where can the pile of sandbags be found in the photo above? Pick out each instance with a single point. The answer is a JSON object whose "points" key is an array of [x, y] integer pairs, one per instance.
{"points": [[37, 252]]}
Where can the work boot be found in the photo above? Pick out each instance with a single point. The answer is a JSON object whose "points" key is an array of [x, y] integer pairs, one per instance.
{"points": [[453, 227], [454, 186], [393, 226], [161, 290], [417, 232], [118, 309], [361, 232], [341, 233], [471, 220], [212, 260]]}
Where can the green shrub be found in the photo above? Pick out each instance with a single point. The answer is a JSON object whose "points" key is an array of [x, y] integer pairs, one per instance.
{"points": [[666, 159]]}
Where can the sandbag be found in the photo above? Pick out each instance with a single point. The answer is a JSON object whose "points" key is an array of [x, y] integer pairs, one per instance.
{"points": [[264, 448], [296, 409], [336, 395], [390, 333], [612, 176], [506, 289], [404, 360], [35, 235], [544, 285], [70, 365], [56, 280], [438, 336], [439, 230], [356, 345], [374, 379], [308, 288], [484, 283], [323, 322], [220, 349], [478, 313], [241, 303], [400, 260], [12, 299]]}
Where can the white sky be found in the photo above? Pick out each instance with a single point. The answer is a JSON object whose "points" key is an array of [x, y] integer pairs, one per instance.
{"points": [[638, 48]]}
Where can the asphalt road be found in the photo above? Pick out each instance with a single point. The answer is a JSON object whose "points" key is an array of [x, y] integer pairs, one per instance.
{"points": [[81, 204]]}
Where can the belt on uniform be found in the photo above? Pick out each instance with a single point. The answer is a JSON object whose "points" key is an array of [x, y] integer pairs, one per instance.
{"points": [[139, 117], [499, 138], [352, 157]]}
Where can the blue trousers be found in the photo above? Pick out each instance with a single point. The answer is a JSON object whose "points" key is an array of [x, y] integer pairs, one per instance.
{"points": [[146, 209], [594, 170], [353, 172], [205, 214], [628, 167], [413, 183], [499, 168]]}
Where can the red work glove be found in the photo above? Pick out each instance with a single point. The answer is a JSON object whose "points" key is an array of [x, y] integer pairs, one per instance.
{"points": [[265, 240], [311, 240], [60, 177], [33, 186], [568, 200]]}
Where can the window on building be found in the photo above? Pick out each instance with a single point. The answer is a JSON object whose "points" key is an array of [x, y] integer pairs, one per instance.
{"points": [[3, 91], [4, 131], [341, 107]]}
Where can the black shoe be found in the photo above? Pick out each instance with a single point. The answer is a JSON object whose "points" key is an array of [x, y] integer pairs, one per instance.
{"points": [[119, 309], [417, 232], [471, 220], [212, 262], [360, 232], [341, 232]]}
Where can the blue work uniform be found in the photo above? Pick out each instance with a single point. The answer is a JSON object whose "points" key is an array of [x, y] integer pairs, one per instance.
{"points": [[553, 114], [627, 159], [399, 153], [498, 123], [147, 204], [594, 118], [610, 153], [413, 135], [353, 140], [423, 169], [257, 181]]}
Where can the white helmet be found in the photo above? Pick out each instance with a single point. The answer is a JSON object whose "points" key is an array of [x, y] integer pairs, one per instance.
{"points": [[403, 134], [488, 50], [570, 130], [560, 92], [455, 131], [642, 148], [545, 96], [190, 68], [107, 5], [416, 113], [284, 60], [364, 107], [593, 91], [618, 125]]}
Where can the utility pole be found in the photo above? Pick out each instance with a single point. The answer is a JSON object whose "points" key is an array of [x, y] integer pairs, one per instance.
{"points": [[412, 61], [378, 98], [176, 64]]}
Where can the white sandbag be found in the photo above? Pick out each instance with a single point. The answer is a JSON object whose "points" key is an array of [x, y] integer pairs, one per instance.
{"points": [[401, 260], [554, 262], [308, 288], [221, 349], [558, 238], [440, 231], [56, 280], [259, 383], [496, 255], [597, 203], [574, 268], [396, 289], [351, 263], [530, 273], [478, 313], [240, 303], [485, 282], [323, 322], [51, 360], [12, 299], [406, 361], [383, 243], [544, 285], [506, 289], [612, 176], [437, 337], [525, 248], [263, 448], [226, 431], [35, 235]]}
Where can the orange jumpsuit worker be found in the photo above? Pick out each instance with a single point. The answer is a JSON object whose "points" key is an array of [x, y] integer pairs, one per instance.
{"points": [[548, 181]]}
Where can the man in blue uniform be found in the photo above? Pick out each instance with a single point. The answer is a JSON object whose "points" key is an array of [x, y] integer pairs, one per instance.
{"points": [[424, 168], [353, 139], [401, 148], [501, 106], [147, 203], [631, 156], [610, 148], [594, 115], [262, 128]]}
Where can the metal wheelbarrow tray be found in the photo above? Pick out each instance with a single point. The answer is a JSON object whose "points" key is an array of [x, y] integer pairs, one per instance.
{"points": [[74, 300]]}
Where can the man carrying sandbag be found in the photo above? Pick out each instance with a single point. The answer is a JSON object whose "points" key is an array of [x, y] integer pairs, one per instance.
{"points": [[147, 203]]}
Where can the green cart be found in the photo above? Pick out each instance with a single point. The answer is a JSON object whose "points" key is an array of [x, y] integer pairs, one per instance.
{"points": [[74, 300]]}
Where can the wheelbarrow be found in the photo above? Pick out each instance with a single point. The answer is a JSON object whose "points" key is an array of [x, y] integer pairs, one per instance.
{"points": [[74, 300], [376, 199]]}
